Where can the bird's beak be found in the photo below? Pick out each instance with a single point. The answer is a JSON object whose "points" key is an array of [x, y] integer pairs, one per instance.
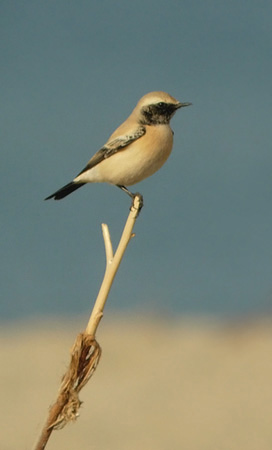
{"points": [[181, 105]]}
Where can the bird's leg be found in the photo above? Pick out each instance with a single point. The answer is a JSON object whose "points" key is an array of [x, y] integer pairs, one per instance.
{"points": [[126, 190], [132, 196]]}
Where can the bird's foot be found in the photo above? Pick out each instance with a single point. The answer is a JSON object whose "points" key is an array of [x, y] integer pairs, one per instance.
{"points": [[133, 197], [141, 202]]}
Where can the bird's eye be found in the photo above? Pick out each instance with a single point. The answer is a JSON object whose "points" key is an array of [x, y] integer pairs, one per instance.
{"points": [[161, 104]]}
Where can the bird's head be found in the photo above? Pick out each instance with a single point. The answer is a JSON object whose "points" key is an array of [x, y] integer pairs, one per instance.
{"points": [[157, 108]]}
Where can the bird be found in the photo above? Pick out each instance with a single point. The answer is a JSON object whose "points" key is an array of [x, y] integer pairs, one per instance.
{"points": [[136, 149]]}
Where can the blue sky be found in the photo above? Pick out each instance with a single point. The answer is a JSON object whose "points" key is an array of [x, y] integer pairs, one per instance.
{"points": [[71, 72]]}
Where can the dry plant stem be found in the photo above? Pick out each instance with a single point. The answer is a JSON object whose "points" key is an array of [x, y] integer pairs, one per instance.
{"points": [[86, 351], [112, 265]]}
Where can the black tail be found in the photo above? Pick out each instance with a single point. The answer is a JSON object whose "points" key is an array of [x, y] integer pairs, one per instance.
{"points": [[65, 190]]}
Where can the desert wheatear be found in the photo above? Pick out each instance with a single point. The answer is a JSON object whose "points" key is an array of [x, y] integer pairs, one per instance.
{"points": [[137, 149]]}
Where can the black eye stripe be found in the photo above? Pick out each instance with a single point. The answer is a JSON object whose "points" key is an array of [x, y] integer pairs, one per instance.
{"points": [[157, 113]]}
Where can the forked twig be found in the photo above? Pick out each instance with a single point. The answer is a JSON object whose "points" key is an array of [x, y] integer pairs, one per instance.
{"points": [[86, 351]]}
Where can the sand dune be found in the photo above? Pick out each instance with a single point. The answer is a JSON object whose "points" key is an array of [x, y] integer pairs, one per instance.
{"points": [[188, 384]]}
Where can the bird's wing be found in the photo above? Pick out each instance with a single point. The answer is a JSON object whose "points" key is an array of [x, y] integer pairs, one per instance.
{"points": [[114, 146]]}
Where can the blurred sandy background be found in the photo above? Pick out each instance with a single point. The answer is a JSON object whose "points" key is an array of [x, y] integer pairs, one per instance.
{"points": [[188, 384]]}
